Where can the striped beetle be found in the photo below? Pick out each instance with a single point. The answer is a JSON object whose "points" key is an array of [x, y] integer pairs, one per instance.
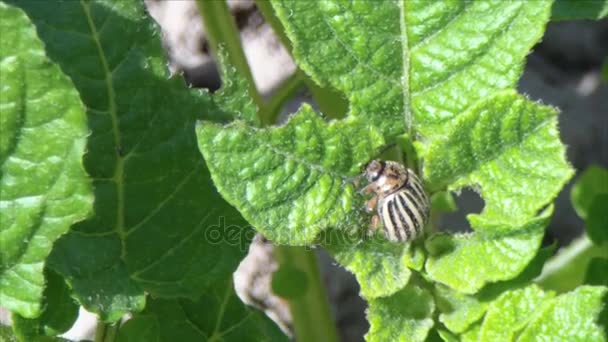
{"points": [[403, 206]]}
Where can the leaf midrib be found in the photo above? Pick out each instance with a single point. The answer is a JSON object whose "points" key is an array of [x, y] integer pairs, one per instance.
{"points": [[405, 71], [112, 110]]}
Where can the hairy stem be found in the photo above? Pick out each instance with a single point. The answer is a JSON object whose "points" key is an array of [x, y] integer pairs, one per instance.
{"points": [[331, 103], [221, 30], [312, 317], [106, 332]]}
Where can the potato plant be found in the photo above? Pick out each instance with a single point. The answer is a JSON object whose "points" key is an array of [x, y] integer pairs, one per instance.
{"points": [[124, 191]]}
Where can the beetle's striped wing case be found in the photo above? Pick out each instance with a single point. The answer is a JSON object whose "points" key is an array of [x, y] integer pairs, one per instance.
{"points": [[405, 212]]}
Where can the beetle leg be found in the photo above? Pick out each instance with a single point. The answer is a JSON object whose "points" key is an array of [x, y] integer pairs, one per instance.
{"points": [[375, 224], [371, 204], [368, 189]]}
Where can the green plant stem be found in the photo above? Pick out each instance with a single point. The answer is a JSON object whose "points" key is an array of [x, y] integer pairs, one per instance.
{"points": [[567, 269], [285, 92], [106, 332], [221, 30], [311, 313], [331, 102], [265, 7], [100, 330]]}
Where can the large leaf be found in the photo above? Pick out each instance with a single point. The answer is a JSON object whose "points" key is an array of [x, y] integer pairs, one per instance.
{"points": [[459, 310], [539, 314], [405, 316], [500, 252], [294, 181], [502, 316], [507, 148], [445, 65], [218, 315], [159, 224], [43, 184], [381, 267], [510, 313], [569, 317], [420, 63]]}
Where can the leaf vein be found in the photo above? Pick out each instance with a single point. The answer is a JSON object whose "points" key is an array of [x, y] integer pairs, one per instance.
{"points": [[470, 61]]}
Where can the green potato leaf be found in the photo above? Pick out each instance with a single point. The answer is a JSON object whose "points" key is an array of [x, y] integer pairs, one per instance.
{"points": [[42, 181], [160, 227], [500, 252], [413, 63], [381, 267], [405, 316], [569, 317], [525, 313], [510, 313], [218, 315], [597, 220], [445, 69], [291, 182], [591, 183], [507, 148], [459, 310]]}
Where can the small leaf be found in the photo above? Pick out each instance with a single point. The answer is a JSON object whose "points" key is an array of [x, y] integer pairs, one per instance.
{"points": [[420, 62], [566, 270], [508, 149], [497, 252], [405, 316], [458, 310], [160, 227], [381, 267], [579, 9], [43, 184], [218, 315], [569, 317], [510, 313], [443, 202], [596, 272], [59, 314], [597, 220], [592, 182], [291, 182]]}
